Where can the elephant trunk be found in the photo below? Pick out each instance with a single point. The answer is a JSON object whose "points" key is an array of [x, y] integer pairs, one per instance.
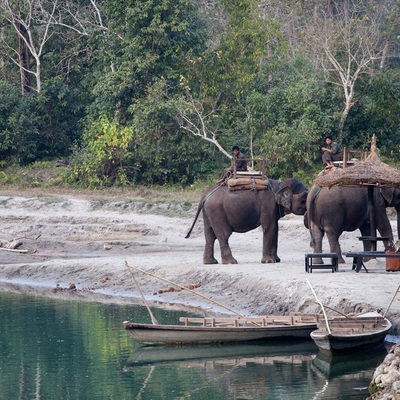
{"points": [[398, 222]]}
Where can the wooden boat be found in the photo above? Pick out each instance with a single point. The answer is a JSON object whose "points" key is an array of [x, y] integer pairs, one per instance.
{"points": [[225, 330], [362, 332]]}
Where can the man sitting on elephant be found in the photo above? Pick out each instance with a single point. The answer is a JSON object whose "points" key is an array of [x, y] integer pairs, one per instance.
{"points": [[238, 159], [332, 152]]}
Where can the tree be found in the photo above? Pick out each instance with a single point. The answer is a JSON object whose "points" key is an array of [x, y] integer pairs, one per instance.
{"points": [[103, 162], [146, 41], [35, 22], [347, 40], [216, 86]]}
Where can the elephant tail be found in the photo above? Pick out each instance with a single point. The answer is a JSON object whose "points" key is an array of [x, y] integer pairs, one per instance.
{"points": [[199, 208], [310, 215]]}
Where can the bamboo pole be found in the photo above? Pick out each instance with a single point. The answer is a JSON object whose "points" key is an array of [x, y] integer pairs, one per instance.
{"points": [[153, 319], [13, 250], [394, 296], [322, 306], [185, 288], [337, 311]]}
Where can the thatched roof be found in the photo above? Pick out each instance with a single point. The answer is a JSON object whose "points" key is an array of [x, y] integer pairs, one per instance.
{"points": [[372, 171]]}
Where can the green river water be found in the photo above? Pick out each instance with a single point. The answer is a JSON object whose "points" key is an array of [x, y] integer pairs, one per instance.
{"points": [[57, 349]]}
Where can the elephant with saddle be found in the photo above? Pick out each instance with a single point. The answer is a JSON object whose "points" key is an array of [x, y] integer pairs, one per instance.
{"points": [[344, 208], [226, 211]]}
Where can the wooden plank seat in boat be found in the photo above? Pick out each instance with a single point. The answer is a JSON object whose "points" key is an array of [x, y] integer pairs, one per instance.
{"points": [[358, 325], [351, 330], [252, 321]]}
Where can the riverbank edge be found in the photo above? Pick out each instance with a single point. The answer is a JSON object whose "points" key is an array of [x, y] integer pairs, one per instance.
{"points": [[385, 380]]}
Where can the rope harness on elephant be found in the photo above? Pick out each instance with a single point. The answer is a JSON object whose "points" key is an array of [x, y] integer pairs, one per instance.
{"points": [[209, 195], [318, 192]]}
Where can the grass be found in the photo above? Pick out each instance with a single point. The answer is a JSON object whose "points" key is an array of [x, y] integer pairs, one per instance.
{"points": [[46, 180]]}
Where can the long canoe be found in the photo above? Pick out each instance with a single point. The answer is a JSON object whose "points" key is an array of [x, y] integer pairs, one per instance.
{"points": [[362, 332], [225, 330]]}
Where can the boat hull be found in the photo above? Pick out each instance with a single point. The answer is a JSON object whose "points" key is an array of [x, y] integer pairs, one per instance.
{"points": [[335, 344], [360, 333], [174, 334]]}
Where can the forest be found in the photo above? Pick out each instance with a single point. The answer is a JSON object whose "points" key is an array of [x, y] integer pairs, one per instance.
{"points": [[157, 91]]}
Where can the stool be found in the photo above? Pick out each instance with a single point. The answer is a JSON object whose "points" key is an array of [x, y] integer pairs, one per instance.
{"points": [[310, 266]]}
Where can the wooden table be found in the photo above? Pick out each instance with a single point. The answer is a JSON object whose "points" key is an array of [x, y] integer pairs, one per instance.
{"points": [[373, 239], [358, 257]]}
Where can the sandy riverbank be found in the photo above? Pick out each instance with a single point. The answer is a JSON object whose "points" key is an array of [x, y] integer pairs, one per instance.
{"points": [[86, 243]]}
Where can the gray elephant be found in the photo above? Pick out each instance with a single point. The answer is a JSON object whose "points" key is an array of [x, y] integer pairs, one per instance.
{"points": [[342, 208], [226, 211]]}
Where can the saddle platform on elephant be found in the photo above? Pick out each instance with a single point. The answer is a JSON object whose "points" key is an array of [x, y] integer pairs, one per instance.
{"points": [[249, 182]]}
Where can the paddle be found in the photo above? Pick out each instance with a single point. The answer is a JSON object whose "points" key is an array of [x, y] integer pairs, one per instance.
{"points": [[153, 319], [322, 306], [397, 291]]}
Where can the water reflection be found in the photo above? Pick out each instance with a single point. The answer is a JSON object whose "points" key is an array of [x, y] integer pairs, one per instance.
{"points": [[276, 370], [53, 349]]}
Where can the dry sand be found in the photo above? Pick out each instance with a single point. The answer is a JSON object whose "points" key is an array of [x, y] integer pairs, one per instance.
{"points": [[86, 242]]}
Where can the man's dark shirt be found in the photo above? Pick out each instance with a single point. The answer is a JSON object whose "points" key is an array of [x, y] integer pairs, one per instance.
{"points": [[241, 163]]}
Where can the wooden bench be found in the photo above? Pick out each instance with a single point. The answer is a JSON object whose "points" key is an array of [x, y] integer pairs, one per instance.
{"points": [[263, 320], [358, 257], [310, 264], [348, 159], [374, 240]]}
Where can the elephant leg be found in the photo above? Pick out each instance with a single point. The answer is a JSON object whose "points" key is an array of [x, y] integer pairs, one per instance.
{"points": [[208, 256], [317, 234], [270, 243], [334, 245], [226, 253]]}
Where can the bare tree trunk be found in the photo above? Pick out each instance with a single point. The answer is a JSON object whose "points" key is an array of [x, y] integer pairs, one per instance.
{"points": [[384, 54], [343, 117], [23, 52]]}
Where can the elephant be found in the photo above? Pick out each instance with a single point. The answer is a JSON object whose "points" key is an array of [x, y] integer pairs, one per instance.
{"points": [[226, 211], [344, 208]]}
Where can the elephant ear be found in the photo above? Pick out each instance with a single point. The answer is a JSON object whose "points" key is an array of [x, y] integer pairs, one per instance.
{"points": [[283, 197], [388, 194], [299, 203]]}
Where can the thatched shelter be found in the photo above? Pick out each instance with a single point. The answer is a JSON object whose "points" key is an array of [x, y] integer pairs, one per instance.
{"points": [[372, 173]]}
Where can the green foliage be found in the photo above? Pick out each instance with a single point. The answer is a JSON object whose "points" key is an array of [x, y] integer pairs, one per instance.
{"points": [[253, 78], [161, 153], [103, 160], [296, 119], [378, 113], [146, 41], [10, 101], [40, 125]]}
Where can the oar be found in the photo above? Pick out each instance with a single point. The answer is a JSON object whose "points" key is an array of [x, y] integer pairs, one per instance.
{"points": [[153, 319], [322, 306], [394, 296], [337, 311], [185, 288]]}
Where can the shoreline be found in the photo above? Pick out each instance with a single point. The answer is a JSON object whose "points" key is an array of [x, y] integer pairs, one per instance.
{"points": [[86, 242], [76, 249]]}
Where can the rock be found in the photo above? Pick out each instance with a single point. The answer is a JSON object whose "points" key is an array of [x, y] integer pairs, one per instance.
{"points": [[386, 379]]}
